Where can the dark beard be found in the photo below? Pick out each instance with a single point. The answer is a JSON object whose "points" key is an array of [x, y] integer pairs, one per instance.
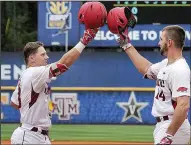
{"points": [[164, 49]]}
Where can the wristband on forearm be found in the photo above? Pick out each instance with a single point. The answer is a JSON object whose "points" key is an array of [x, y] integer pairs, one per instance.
{"points": [[126, 46], [80, 47]]}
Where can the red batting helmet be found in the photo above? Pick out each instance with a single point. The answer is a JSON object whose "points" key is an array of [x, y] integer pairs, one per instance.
{"points": [[119, 19], [92, 14]]}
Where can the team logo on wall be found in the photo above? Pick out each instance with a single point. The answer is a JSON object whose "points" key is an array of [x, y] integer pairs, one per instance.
{"points": [[132, 108], [65, 105], [5, 99], [58, 16]]}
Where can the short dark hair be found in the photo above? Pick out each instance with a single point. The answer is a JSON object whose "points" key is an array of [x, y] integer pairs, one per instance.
{"points": [[31, 48], [177, 34]]}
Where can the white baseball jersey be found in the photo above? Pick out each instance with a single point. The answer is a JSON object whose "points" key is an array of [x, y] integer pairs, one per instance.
{"points": [[172, 81], [32, 94]]}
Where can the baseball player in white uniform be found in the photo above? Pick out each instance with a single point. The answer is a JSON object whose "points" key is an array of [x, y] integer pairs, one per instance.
{"points": [[172, 75], [172, 91], [32, 93], [172, 82]]}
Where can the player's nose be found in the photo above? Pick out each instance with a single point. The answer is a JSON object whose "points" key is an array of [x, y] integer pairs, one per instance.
{"points": [[46, 57]]}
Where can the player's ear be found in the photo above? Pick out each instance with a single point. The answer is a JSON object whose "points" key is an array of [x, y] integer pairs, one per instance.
{"points": [[32, 58], [169, 42]]}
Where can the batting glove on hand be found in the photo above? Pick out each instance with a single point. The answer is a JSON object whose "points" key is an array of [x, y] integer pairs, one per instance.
{"points": [[167, 140], [124, 40], [89, 35]]}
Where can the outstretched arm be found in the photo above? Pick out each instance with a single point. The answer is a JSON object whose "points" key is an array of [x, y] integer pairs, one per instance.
{"points": [[141, 63], [71, 56], [44, 73]]}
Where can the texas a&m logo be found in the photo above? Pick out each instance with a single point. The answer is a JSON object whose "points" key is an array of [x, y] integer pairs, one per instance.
{"points": [[65, 104]]}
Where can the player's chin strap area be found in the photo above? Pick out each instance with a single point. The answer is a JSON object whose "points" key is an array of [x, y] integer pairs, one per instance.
{"points": [[57, 69]]}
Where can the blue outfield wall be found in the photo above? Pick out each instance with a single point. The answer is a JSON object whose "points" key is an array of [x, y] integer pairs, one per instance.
{"points": [[94, 108], [97, 69], [92, 69]]}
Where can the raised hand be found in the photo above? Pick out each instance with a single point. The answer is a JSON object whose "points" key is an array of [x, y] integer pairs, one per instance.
{"points": [[124, 40], [89, 35]]}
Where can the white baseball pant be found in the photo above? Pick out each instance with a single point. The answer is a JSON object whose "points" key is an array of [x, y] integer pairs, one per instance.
{"points": [[182, 136], [25, 136]]}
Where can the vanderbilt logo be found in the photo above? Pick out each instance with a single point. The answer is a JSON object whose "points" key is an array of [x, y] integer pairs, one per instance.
{"points": [[65, 104]]}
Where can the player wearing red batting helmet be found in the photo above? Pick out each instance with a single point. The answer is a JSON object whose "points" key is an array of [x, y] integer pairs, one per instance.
{"points": [[172, 92], [32, 93]]}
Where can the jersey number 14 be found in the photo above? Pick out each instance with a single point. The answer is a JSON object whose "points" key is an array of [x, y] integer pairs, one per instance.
{"points": [[160, 94]]}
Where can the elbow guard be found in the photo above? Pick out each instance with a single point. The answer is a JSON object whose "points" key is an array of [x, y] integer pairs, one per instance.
{"points": [[57, 68]]}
